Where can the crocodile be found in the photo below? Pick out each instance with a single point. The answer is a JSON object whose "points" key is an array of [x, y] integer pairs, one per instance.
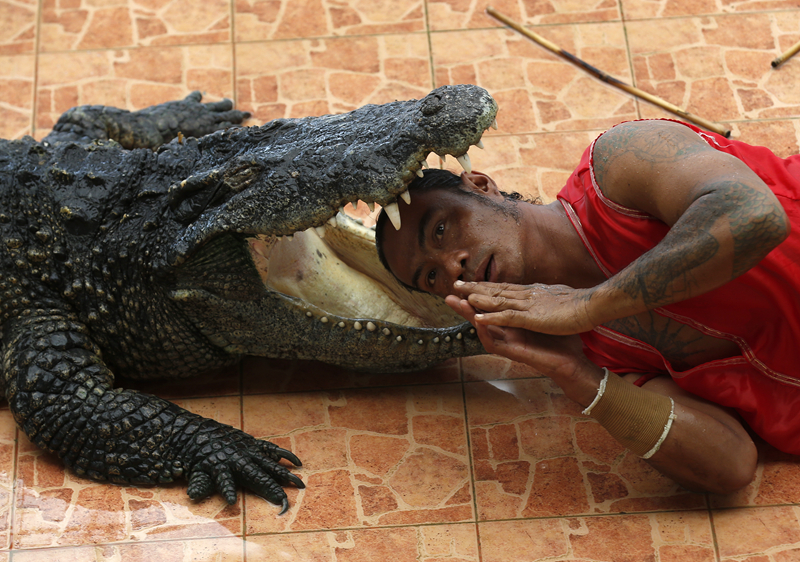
{"points": [[171, 241]]}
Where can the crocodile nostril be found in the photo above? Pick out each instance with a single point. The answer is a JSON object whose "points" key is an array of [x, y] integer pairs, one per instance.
{"points": [[432, 104]]}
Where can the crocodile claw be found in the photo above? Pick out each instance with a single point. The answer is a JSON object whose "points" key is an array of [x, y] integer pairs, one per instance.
{"points": [[225, 458], [288, 455]]}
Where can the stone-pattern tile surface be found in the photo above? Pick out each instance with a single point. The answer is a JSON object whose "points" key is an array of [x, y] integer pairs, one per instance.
{"points": [[461, 14], [477, 459], [17, 73], [85, 24], [319, 76], [18, 29], [130, 78], [666, 537], [436, 543], [718, 67], [535, 455], [371, 457], [258, 20], [535, 90]]}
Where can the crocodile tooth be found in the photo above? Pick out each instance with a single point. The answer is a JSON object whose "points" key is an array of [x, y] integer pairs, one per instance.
{"points": [[324, 319], [406, 196], [289, 237], [341, 324], [459, 336], [465, 162], [309, 314], [420, 174], [394, 214], [435, 340], [386, 332], [357, 325], [320, 231], [447, 338], [371, 327], [425, 164], [399, 338], [332, 221], [494, 124], [371, 206], [420, 342], [479, 144]]}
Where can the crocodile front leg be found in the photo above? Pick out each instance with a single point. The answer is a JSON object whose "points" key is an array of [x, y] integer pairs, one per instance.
{"points": [[148, 128], [61, 395]]}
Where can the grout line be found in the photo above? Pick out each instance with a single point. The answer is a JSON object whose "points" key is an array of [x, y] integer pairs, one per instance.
{"points": [[235, 93], [37, 38], [714, 540], [430, 44]]}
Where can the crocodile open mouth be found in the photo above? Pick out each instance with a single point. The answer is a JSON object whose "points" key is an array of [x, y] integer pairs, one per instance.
{"points": [[335, 268], [326, 295]]}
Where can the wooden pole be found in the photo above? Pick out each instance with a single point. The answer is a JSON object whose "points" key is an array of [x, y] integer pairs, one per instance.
{"points": [[607, 78], [787, 55]]}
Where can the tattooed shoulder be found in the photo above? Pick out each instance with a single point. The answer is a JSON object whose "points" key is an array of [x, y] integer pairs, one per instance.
{"points": [[649, 142]]}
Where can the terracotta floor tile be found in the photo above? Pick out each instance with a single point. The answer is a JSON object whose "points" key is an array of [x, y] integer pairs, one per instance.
{"points": [[370, 457], [457, 14], [270, 376], [537, 91], [54, 507], [16, 95], [316, 77], [258, 20], [777, 481], [224, 382], [131, 79], [535, 456], [638, 9], [200, 550], [18, 28], [8, 437], [677, 536], [435, 543], [756, 531], [717, 67], [83, 24]]}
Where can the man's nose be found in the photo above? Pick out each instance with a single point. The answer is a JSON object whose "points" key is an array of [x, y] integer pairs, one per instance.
{"points": [[456, 266]]}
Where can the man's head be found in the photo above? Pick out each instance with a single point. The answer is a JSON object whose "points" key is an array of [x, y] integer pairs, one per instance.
{"points": [[457, 227]]}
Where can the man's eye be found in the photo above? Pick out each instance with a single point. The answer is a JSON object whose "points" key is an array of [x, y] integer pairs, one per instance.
{"points": [[431, 277], [439, 231]]}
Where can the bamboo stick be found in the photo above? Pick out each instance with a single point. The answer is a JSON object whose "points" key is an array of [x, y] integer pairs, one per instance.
{"points": [[607, 78], [787, 55]]}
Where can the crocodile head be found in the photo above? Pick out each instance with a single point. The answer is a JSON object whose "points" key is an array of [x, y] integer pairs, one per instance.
{"points": [[267, 264]]}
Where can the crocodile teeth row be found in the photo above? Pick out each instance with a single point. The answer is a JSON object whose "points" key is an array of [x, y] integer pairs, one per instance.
{"points": [[392, 210], [371, 327]]}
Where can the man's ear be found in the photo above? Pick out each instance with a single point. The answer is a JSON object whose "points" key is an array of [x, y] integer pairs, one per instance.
{"points": [[480, 182]]}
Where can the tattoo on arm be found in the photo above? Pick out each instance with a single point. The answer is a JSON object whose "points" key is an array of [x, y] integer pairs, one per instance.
{"points": [[649, 142], [753, 239], [667, 273]]}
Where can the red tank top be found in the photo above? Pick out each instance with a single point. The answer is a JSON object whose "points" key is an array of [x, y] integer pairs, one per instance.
{"points": [[759, 310]]}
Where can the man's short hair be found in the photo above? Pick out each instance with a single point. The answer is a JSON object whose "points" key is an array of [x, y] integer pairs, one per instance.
{"points": [[433, 179]]}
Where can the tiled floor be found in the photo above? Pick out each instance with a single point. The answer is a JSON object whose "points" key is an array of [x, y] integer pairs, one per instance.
{"points": [[475, 460]]}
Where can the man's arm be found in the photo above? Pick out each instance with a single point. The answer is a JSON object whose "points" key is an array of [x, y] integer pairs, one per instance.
{"points": [[724, 219]]}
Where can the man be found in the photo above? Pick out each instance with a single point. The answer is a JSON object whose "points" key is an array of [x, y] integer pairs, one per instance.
{"points": [[669, 251]]}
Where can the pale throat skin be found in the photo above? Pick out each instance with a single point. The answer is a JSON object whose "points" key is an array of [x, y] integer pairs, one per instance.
{"points": [[447, 236]]}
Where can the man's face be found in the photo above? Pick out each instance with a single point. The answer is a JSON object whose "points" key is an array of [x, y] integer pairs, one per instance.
{"points": [[448, 235]]}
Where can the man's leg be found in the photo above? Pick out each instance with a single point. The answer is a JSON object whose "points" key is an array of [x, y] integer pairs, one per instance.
{"points": [[707, 448]]}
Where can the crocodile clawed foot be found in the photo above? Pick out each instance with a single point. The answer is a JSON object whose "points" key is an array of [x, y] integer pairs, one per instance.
{"points": [[231, 459]]}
